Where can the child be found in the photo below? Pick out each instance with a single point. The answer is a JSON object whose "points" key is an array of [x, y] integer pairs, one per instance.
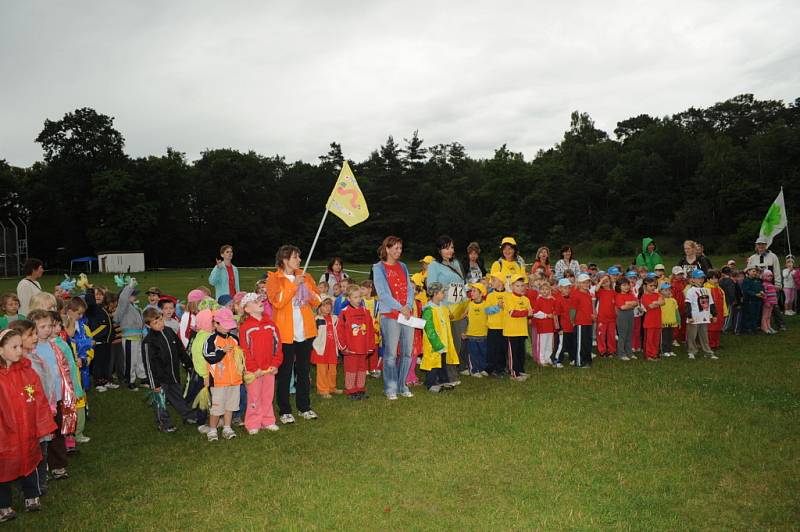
{"points": [[204, 321], [584, 317], [187, 323], [224, 373], [356, 336], [438, 348], [65, 416], [545, 318], [25, 418], [715, 327], [167, 307], [565, 340], [81, 338], [496, 343], [652, 303], [130, 319], [700, 311], [678, 283], [752, 300], [625, 303], [517, 309], [9, 309], [733, 299], [373, 359], [532, 293], [670, 318], [636, 331], [789, 286], [263, 355], [101, 330], [475, 336], [324, 351], [163, 356], [606, 318], [341, 301], [153, 297], [769, 301]]}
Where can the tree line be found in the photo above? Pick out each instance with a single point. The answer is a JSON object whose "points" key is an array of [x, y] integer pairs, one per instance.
{"points": [[707, 174]]}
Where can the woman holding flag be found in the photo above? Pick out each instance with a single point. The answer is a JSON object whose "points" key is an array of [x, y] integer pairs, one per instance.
{"points": [[395, 299]]}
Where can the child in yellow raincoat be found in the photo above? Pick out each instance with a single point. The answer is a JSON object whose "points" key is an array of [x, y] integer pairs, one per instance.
{"points": [[438, 348]]}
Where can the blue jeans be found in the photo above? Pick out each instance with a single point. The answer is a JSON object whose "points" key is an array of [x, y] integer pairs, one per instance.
{"points": [[394, 370], [477, 354]]}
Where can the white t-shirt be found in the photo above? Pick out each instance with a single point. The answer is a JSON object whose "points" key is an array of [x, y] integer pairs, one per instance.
{"points": [[297, 317], [26, 289], [700, 300], [788, 279]]}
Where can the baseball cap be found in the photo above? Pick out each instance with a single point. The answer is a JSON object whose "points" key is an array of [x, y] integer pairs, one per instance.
{"points": [[564, 282], [427, 259], [224, 299], [698, 274], [479, 287], [196, 296], [677, 270], [224, 317], [250, 297], [631, 274], [508, 240], [659, 267], [153, 290], [583, 278], [761, 240], [665, 286], [614, 271], [518, 277], [651, 275]]}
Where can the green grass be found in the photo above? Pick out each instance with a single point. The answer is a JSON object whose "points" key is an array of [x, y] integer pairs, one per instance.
{"points": [[674, 444]]}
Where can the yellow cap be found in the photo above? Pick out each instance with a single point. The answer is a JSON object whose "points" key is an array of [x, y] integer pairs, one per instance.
{"points": [[479, 287], [508, 240], [519, 277], [418, 279], [427, 259]]}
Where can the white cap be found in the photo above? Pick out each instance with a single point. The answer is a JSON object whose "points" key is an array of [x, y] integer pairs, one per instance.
{"points": [[677, 270], [761, 240], [583, 278], [564, 282], [249, 297]]}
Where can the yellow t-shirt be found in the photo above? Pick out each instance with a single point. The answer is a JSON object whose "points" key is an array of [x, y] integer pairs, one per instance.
{"points": [[516, 326], [495, 321], [477, 319], [669, 312], [507, 270]]}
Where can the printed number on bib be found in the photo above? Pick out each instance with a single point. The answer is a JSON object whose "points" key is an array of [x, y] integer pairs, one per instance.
{"points": [[455, 293]]}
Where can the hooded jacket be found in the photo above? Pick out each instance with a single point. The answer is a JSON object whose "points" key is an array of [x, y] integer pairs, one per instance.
{"points": [[163, 354], [261, 344], [645, 258], [280, 292], [129, 316], [24, 418]]}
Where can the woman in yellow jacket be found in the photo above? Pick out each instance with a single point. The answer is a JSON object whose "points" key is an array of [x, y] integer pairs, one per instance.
{"points": [[293, 296], [510, 264], [438, 349]]}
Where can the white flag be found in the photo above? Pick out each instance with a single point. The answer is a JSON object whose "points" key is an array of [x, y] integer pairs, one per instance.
{"points": [[775, 220]]}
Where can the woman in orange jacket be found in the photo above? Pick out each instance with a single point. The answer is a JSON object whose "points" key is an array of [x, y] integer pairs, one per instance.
{"points": [[293, 296]]}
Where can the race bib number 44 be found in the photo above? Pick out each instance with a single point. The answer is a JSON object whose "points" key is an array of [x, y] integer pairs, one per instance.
{"points": [[455, 293]]}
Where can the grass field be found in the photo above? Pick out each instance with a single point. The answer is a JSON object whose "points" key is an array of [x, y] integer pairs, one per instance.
{"points": [[674, 444]]}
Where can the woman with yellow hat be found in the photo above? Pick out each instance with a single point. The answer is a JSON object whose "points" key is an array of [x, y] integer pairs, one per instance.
{"points": [[510, 264]]}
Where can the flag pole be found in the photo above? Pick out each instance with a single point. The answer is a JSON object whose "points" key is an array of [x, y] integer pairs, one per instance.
{"points": [[788, 242], [314, 244]]}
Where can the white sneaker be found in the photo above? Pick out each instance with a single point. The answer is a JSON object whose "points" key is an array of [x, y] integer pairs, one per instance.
{"points": [[407, 394], [712, 356], [691, 356], [100, 389], [455, 383], [228, 433], [477, 375], [203, 429], [624, 358], [559, 365], [464, 372], [435, 388], [252, 432], [675, 343], [212, 435], [111, 386], [272, 428], [392, 396], [287, 418], [484, 373], [80, 438], [309, 414]]}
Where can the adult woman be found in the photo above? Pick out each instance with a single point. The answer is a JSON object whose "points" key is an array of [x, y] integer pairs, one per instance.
{"points": [[649, 256], [395, 297], [225, 276], [29, 286], [692, 259], [474, 270], [293, 296], [567, 262], [447, 270], [333, 274], [542, 262], [510, 264]]}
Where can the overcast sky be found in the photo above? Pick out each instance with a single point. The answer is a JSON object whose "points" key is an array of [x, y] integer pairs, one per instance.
{"points": [[290, 77]]}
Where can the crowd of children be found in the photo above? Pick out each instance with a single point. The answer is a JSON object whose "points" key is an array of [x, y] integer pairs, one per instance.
{"points": [[233, 354]]}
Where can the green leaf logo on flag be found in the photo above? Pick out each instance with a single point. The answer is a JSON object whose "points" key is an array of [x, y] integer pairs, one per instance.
{"points": [[772, 220]]}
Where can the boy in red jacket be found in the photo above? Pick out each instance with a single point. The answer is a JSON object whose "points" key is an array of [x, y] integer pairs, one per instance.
{"points": [[652, 303], [261, 344], [356, 334], [25, 418], [584, 317]]}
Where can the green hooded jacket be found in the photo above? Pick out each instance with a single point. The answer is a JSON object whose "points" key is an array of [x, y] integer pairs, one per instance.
{"points": [[646, 258]]}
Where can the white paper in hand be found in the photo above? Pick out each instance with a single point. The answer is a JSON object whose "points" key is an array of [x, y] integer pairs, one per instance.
{"points": [[412, 321]]}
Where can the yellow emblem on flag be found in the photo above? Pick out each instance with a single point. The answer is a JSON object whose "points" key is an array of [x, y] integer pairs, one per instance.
{"points": [[346, 200]]}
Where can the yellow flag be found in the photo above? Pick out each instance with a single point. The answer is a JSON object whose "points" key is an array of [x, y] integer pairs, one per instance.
{"points": [[346, 200]]}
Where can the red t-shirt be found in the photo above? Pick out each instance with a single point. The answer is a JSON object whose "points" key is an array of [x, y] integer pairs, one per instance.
{"points": [[563, 305], [620, 299], [398, 285], [231, 279], [582, 303], [605, 304], [548, 306], [652, 318]]}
